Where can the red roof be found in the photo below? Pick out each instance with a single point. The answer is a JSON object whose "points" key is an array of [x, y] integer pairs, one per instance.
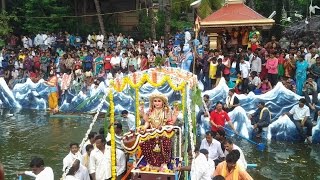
{"points": [[236, 14]]}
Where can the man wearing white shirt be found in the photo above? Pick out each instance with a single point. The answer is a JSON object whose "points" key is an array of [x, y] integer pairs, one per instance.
{"points": [[229, 146], [81, 172], [39, 171], [299, 114], [244, 69], [115, 62], [213, 146], [91, 140], [130, 119], [121, 160], [72, 156], [311, 56], [255, 63], [100, 39], [100, 160], [202, 168], [25, 42]]}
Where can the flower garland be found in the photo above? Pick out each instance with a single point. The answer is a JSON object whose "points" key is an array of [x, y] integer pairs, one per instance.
{"points": [[137, 107], [120, 86], [190, 123], [183, 100], [113, 143]]}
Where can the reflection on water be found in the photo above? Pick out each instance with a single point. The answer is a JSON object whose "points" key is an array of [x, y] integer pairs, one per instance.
{"points": [[32, 133]]}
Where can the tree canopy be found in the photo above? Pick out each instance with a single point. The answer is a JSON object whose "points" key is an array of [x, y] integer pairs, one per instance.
{"points": [[33, 16]]}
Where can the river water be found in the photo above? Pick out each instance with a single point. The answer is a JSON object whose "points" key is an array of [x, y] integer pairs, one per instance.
{"points": [[32, 133]]}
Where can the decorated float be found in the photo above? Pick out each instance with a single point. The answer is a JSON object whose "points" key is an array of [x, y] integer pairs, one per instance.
{"points": [[156, 145]]}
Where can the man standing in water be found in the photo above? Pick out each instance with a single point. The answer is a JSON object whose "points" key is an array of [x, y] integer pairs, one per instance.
{"points": [[218, 118], [261, 118], [53, 95], [100, 160], [230, 169], [72, 156], [39, 171], [229, 147]]}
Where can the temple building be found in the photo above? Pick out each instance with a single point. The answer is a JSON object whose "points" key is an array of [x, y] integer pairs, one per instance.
{"points": [[233, 19]]}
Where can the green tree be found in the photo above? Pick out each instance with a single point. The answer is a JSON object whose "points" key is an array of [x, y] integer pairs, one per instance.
{"points": [[4, 24], [46, 15]]}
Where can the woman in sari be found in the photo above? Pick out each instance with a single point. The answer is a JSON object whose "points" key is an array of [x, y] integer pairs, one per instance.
{"points": [[289, 67], [301, 73], [98, 63], [53, 95]]}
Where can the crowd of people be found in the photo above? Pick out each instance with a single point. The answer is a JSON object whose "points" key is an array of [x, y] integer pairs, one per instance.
{"points": [[257, 68], [216, 158]]}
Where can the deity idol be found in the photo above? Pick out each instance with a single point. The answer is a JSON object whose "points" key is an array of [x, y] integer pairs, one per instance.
{"points": [[155, 142]]}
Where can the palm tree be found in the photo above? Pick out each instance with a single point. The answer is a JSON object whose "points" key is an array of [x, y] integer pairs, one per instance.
{"points": [[153, 22], [167, 25], [100, 19], [3, 5]]}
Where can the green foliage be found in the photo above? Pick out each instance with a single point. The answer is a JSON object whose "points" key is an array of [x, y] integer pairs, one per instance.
{"points": [[52, 9], [159, 61], [207, 7], [196, 97], [4, 24], [144, 26]]}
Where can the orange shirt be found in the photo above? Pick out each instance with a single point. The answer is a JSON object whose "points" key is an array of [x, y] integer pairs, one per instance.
{"points": [[242, 173]]}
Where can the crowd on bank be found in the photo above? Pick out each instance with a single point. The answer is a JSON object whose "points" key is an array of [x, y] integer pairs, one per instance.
{"points": [[246, 66]]}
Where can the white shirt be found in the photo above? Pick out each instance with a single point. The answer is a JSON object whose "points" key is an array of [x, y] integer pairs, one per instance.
{"points": [[202, 168], [255, 64], [115, 61], [100, 163], [89, 38], [124, 62], [242, 161], [214, 149], [1, 59], [83, 150], [300, 113], [311, 60], [82, 173], [69, 159], [119, 75], [244, 68], [256, 81], [45, 174], [71, 177], [118, 140], [131, 121], [25, 42], [121, 161]]}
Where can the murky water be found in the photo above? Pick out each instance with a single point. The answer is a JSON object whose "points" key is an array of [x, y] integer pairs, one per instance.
{"points": [[32, 133]]}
